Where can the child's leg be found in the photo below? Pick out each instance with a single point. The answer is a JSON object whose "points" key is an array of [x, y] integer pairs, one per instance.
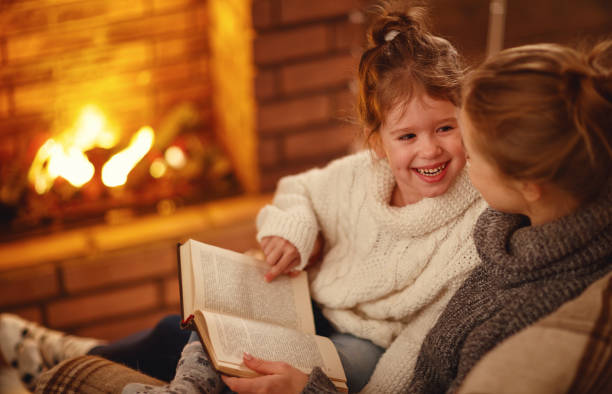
{"points": [[31, 349], [359, 358], [194, 374], [154, 352]]}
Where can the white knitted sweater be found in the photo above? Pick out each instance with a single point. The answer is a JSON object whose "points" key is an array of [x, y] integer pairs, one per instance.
{"points": [[387, 272]]}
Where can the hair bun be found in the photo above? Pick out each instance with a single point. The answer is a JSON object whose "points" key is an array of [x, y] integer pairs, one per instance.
{"points": [[600, 58], [600, 61], [391, 20], [391, 35]]}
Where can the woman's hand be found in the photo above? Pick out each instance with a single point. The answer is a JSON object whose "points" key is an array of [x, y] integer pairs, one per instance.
{"points": [[278, 377]]}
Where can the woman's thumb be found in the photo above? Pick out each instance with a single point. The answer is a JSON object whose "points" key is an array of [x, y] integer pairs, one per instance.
{"points": [[262, 366]]}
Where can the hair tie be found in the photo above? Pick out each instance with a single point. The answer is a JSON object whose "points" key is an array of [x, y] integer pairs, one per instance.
{"points": [[391, 35]]}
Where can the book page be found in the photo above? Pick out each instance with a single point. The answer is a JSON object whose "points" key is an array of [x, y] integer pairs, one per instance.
{"points": [[232, 283], [232, 336]]}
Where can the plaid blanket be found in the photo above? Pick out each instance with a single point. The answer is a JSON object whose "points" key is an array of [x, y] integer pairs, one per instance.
{"points": [[568, 351], [90, 375]]}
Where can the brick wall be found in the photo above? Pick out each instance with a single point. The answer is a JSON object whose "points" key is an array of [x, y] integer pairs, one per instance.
{"points": [[306, 54], [138, 58], [122, 281], [465, 22], [105, 296]]}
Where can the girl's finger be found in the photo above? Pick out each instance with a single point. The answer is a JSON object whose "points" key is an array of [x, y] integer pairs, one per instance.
{"points": [[274, 272], [273, 256], [285, 261], [267, 246]]}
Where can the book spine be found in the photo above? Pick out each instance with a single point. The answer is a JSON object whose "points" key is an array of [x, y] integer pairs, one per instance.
{"points": [[180, 278]]}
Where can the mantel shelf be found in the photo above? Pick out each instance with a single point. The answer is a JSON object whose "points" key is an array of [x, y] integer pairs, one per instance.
{"points": [[97, 239]]}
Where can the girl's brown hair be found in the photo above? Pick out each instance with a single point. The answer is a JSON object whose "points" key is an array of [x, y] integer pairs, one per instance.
{"points": [[544, 113], [402, 57]]}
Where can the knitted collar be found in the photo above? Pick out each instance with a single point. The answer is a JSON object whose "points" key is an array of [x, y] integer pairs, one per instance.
{"points": [[515, 252], [422, 217]]}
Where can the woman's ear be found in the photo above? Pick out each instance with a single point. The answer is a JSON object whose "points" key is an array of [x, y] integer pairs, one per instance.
{"points": [[531, 191]]}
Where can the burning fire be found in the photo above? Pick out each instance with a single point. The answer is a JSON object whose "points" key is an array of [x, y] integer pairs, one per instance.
{"points": [[64, 155], [117, 168], [70, 164]]}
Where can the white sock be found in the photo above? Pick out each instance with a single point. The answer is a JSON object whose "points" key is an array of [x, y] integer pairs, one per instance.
{"points": [[194, 374], [28, 362], [31, 348]]}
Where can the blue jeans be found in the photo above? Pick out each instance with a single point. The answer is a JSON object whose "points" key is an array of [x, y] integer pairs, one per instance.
{"points": [[154, 352], [359, 358]]}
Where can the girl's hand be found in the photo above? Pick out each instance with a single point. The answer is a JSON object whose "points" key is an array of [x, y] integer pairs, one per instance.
{"points": [[283, 256], [280, 254], [278, 377]]}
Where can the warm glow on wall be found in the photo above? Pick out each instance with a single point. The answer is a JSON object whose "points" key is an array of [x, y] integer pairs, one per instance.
{"points": [[117, 168], [232, 75], [92, 130]]}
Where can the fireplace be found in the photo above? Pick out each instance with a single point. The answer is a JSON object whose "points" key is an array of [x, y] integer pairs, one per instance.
{"points": [[113, 109], [89, 262]]}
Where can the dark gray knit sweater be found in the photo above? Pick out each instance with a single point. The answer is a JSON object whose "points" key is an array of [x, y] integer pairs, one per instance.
{"points": [[527, 272]]}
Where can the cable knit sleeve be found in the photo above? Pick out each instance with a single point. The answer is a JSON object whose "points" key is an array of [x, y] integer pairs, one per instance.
{"points": [[301, 200], [291, 216]]}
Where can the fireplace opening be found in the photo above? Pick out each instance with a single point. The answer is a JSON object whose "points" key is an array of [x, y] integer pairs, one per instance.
{"points": [[120, 108]]}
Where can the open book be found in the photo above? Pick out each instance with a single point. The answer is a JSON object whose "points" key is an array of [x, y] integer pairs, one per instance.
{"points": [[225, 298]]}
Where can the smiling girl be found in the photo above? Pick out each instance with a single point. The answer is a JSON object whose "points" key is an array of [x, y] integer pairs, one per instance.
{"points": [[394, 221]]}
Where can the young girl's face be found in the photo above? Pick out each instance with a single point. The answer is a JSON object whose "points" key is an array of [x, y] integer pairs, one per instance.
{"points": [[499, 191], [422, 142]]}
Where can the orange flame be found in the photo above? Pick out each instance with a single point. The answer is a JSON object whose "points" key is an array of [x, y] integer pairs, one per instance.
{"points": [[117, 168], [64, 155]]}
